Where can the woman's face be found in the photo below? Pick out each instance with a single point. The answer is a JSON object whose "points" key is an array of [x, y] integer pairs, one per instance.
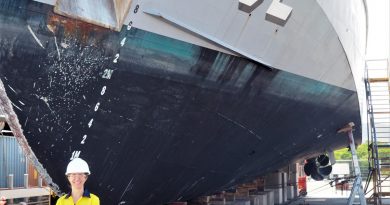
{"points": [[77, 180]]}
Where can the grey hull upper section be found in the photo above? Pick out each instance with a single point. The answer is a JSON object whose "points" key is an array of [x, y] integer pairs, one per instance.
{"points": [[306, 45]]}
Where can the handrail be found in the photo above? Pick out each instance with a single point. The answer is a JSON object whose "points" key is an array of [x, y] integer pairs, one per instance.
{"points": [[372, 132]]}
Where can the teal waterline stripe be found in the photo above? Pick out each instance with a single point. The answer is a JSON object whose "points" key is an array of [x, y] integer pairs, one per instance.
{"points": [[144, 42], [164, 45]]}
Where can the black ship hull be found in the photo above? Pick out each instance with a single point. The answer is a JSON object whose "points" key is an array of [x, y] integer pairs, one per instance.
{"points": [[157, 119]]}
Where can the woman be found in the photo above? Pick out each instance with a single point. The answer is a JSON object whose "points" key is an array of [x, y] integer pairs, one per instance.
{"points": [[77, 173]]}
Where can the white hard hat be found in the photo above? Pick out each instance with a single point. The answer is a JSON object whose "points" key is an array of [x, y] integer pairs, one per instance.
{"points": [[77, 165]]}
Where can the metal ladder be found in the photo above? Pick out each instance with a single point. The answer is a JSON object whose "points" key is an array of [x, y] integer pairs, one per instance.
{"points": [[357, 189], [378, 118]]}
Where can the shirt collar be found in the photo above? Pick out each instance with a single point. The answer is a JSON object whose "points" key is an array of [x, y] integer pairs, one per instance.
{"points": [[86, 193]]}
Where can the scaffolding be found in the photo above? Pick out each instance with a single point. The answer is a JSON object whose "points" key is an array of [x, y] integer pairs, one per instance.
{"points": [[378, 130]]}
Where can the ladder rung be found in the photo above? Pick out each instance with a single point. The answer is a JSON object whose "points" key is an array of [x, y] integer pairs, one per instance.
{"points": [[377, 94], [371, 66], [384, 193], [381, 98], [384, 88], [377, 98], [379, 91], [375, 65], [376, 85], [377, 80], [378, 88], [385, 91], [372, 95]]}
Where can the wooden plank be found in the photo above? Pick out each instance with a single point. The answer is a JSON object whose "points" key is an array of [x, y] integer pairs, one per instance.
{"points": [[122, 7], [384, 194], [374, 80]]}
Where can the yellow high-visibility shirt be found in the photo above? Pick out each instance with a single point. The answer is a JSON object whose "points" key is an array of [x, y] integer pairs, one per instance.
{"points": [[86, 199]]}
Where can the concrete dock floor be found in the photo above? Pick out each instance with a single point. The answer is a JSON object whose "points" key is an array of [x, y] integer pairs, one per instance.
{"points": [[315, 201], [328, 201]]}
